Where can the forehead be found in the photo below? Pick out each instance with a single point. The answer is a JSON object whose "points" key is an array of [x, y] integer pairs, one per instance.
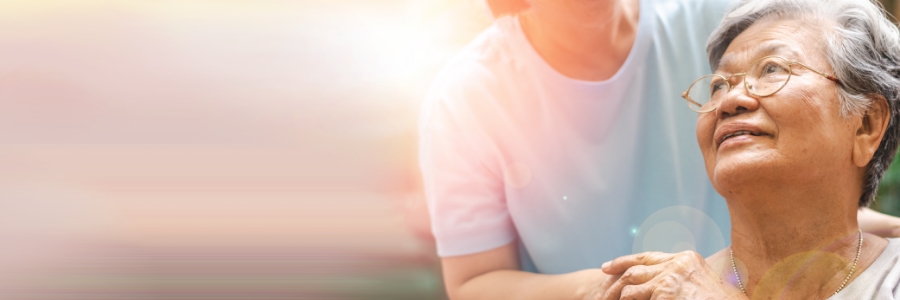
{"points": [[794, 39]]}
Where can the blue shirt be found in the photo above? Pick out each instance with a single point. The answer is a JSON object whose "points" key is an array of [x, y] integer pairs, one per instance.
{"points": [[577, 172]]}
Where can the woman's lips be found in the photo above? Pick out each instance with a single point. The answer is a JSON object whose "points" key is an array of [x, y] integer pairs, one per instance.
{"points": [[738, 134], [736, 140], [736, 131]]}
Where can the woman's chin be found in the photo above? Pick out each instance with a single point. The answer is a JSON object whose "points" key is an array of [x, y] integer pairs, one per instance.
{"points": [[741, 170]]}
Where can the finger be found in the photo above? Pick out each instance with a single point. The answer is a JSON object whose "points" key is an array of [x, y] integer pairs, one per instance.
{"points": [[686, 260], [633, 276], [608, 289], [614, 290], [637, 292], [619, 265], [640, 274]]}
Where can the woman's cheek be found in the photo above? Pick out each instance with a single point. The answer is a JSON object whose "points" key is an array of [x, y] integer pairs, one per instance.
{"points": [[705, 131]]}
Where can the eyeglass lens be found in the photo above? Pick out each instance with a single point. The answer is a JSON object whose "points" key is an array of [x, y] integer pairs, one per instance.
{"points": [[764, 78]]}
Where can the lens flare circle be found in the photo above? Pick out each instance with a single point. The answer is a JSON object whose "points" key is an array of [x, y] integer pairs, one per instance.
{"points": [[679, 228]]}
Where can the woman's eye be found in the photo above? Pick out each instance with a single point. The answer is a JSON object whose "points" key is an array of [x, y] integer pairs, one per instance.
{"points": [[717, 86], [773, 68]]}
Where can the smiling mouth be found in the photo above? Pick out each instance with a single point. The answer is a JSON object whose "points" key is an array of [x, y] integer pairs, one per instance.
{"points": [[738, 133]]}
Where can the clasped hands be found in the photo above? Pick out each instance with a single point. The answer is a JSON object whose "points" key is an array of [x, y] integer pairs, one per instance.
{"points": [[656, 275]]}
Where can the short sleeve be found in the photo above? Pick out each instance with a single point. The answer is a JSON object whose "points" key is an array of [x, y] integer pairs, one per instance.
{"points": [[461, 173]]}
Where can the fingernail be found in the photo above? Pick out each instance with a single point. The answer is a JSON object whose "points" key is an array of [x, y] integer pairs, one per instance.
{"points": [[605, 265]]}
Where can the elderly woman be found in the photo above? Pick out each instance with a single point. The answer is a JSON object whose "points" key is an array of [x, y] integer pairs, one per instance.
{"points": [[797, 125]]}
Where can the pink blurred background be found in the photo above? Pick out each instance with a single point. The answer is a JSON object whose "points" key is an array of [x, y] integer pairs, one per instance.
{"points": [[218, 149]]}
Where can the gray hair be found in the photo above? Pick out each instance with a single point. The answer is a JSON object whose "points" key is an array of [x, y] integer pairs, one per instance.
{"points": [[863, 48]]}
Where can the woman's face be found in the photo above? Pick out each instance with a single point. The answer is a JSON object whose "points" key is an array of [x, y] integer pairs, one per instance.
{"points": [[796, 136]]}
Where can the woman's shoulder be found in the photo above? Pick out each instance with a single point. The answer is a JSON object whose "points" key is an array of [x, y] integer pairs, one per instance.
{"points": [[893, 242], [891, 254], [880, 280], [884, 273]]}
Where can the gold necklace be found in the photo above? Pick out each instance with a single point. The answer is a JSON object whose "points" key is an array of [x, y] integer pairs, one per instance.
{"points": [[852, 268]]}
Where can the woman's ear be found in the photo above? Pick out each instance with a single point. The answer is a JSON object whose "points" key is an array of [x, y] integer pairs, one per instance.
{"points": [[871, 130]]}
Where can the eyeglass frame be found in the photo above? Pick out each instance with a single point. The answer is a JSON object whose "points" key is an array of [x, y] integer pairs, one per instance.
{"points": [[790, 64]]}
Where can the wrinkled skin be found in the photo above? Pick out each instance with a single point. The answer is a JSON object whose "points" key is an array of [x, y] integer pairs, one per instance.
{"points": [[656, 275]]}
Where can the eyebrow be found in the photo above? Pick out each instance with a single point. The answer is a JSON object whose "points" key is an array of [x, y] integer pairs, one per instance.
{"points": [[767, 48]]}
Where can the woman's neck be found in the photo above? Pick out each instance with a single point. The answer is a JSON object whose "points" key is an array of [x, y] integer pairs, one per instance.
{"points": [[793, 246], [585, 51]]}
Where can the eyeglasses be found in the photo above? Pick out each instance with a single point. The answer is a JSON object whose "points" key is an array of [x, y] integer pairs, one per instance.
{"points": [[765, 77]]}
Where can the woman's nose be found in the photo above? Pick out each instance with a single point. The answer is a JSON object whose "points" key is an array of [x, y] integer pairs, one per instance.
{"points": [[736, 102]]}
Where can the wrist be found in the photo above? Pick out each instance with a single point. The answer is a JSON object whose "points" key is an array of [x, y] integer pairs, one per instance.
{"points": [[589, 284]]}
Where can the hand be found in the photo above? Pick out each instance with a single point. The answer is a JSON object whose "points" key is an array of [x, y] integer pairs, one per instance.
{"points": [[656, 275], [596, 288]]}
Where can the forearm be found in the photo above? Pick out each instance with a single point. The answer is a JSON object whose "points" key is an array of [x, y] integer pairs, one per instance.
{"points": [[876, 223], [510, 284]]}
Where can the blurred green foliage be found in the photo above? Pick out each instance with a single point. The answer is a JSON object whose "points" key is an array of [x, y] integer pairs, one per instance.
{"points": [[888, 198]]}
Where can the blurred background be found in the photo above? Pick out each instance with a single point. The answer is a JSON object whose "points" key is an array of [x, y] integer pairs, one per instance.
{"points": [[888, 198], [201, 149]]}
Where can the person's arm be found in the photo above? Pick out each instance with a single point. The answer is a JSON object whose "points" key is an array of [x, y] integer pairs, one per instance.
{"points": [[464, 175], [878, 223], [495, 274]]}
